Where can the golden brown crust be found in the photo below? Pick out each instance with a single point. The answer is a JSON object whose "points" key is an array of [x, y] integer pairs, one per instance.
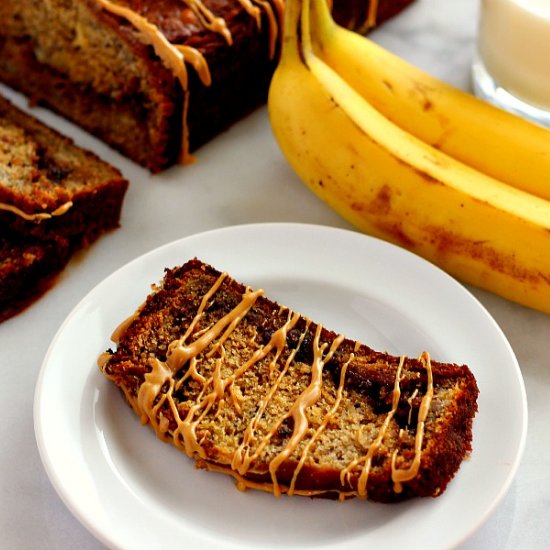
{"points": [[354, 435]]}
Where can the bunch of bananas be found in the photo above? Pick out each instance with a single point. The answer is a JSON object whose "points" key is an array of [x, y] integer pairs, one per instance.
{"points": [[410, 159]]}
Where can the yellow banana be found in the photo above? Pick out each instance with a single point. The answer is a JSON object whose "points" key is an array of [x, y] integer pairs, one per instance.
{"points": [[495, 142], [392, 185]]}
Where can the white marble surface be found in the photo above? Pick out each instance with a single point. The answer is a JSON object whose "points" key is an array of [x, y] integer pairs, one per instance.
{"points": [[241, 178]]}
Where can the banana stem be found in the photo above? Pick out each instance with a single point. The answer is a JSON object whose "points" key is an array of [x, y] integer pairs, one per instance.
{"points": [[322, 23], [292, 33], [307, 33], [298, 32]]}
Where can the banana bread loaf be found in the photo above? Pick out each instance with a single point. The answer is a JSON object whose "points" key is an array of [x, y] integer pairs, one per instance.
{"points": [[153, 78], [252, 389], [54, 198]]}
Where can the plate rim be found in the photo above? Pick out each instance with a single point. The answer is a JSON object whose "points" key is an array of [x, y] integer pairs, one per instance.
{"points": [[39, 398]]}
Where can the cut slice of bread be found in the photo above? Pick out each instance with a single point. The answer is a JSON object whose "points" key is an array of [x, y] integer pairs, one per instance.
{"points": [[54, 198], [250, 388], [51, 187]]}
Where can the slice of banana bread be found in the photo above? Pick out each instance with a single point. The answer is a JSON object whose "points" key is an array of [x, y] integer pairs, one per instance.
{"points": [[250, 388], [54, 198], [49, 186]]}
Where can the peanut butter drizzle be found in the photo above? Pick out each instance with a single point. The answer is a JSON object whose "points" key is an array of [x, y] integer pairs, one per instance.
{"points": [[39, 216], [299, 408], [179, 353], [331, 414], [274, 20], [159, 385], [175, 56], [401, 475], [209, 20], [373, 448], [242, 459], [202, 306], [410, 401], [243, 483], [123, 327], [103, 359], [371, 15], [184, 155]]}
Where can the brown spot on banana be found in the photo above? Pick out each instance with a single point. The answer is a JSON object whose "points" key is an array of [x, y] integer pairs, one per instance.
{"points": [[393, 230], [381, 204], [449, 243]]}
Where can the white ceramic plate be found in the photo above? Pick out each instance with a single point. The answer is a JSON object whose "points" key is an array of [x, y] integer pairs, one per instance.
{"points": [[132, 491]]}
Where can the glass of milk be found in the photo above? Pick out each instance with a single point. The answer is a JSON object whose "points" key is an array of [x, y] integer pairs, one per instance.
{"points": [[512, 68]]}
